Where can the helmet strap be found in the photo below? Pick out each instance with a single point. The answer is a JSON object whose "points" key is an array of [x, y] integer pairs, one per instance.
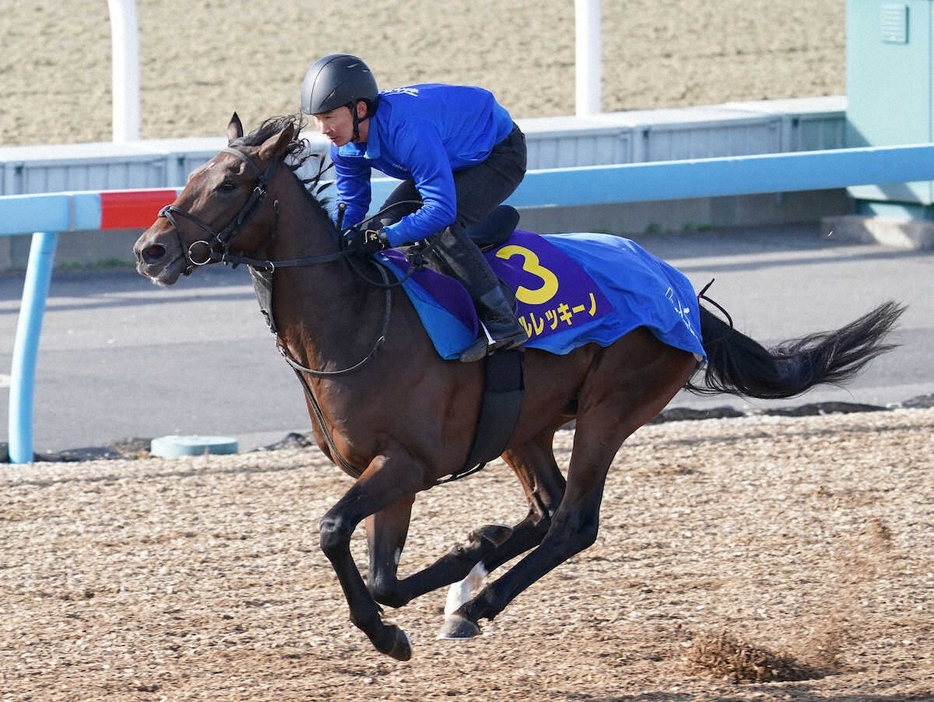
{"points": [[356, 122], [356, 119]]}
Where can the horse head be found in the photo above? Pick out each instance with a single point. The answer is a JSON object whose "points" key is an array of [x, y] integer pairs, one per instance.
{"points": [[222, 209]]}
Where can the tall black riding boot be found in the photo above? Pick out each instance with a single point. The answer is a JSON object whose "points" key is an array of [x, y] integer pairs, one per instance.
{"points": [[498, 316], [467, 264]]}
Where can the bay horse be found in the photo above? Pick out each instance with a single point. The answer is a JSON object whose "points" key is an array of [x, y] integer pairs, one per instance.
{"points": [[387, 409]]}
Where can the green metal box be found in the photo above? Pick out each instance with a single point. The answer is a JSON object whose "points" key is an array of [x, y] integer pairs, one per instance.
{"points": [[890, 91]]}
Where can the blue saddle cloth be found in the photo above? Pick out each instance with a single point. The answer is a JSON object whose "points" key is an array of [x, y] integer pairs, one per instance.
{"points": [[571, 289]]}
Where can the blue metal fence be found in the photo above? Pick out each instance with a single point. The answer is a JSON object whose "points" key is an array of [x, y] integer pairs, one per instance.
{"points": [[669, 180]]}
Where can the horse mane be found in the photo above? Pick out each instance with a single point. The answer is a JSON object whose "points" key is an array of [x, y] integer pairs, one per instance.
{"points": [[297, 155]]}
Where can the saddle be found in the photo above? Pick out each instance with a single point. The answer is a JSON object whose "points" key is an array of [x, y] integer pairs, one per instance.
{"points": [[494, 229], [503, 386]]}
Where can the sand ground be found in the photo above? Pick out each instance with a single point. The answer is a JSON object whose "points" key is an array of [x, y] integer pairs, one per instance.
{"points": [[201, 61], [808, 538], [201, 579]]}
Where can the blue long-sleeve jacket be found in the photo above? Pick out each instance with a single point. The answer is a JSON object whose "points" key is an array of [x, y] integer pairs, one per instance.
{"points": [[421, 133]]}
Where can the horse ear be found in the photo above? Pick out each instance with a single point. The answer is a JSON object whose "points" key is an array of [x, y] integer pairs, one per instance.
{"points": [[276, 145], [234, 128]]}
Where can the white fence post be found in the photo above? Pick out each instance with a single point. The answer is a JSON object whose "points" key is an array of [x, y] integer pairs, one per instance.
{"points": [[124, 37], [588, 66]]}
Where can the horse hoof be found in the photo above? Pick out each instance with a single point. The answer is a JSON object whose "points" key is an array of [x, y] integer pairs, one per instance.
{"points": [[458, 627], [401, 648]]}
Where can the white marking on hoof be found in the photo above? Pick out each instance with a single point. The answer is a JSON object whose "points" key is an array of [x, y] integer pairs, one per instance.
{"points": [[464, 591]]}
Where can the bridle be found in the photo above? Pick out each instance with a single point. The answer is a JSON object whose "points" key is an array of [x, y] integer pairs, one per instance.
{"points": [[218, 251], [218, 248]]}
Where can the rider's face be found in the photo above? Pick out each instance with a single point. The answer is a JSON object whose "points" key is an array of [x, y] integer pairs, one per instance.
{"points": [[337, 125]]}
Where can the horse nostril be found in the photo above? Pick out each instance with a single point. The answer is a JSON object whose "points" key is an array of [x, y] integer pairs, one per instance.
{"points": [[151, 254]]}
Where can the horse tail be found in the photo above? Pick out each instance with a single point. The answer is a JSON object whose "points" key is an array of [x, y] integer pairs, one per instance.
{"points": [[738, 365]]}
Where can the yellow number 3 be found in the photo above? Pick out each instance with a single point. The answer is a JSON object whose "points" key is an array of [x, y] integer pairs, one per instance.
{"points": [[531, 265]]}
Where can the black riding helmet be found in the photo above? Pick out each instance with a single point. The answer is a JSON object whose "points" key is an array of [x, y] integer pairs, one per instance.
{"points": [[337, 80]]}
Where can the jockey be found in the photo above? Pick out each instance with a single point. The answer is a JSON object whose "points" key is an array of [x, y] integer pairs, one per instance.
{"points": [[458, 154]]}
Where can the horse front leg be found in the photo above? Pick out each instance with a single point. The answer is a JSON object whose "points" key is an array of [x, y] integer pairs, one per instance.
{"points": [[386, 532], [387, 482]]}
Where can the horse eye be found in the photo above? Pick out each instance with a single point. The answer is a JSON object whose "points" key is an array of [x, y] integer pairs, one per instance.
{"points": [[226, 186]]}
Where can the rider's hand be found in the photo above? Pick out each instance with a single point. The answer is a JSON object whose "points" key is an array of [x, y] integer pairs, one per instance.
{"points": [[366, 241]]}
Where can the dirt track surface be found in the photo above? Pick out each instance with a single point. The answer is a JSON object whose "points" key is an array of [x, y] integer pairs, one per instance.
{"points": [[201, 61], [807, 539]]}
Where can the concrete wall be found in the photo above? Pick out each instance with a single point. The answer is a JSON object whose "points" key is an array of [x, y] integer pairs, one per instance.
{"points": [[693, 214]]}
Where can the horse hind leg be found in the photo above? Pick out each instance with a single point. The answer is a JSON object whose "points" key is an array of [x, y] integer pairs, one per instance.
{"points": [[571, 530], [487, 547], [535, 465], [386, 545], [633, 381], [523, 536]]}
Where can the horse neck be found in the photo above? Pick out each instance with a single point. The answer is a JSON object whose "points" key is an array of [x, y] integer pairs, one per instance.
{"points": [[320, 309]]}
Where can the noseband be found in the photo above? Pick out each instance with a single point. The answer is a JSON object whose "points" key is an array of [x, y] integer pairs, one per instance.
{"points": [[218, 247]]}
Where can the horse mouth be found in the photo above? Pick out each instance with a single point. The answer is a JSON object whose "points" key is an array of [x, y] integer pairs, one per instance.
{"points": [[155, 262]]}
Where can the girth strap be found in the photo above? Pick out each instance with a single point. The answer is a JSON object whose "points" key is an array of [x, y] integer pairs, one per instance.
{"points": [[503, 389]]}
